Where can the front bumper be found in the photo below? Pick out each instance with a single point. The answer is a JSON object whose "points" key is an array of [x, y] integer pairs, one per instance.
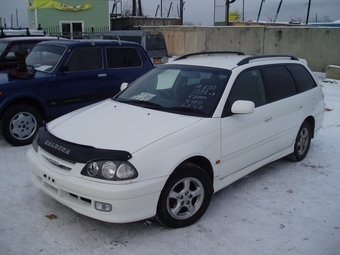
{"points": [[131, 201]]}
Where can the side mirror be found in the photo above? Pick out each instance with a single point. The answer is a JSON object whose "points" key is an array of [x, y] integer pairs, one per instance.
{"points": [[64, 69], [243, 107], [124, 86]]}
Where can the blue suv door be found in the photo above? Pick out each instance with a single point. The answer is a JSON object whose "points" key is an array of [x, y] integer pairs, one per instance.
{"points": [[84, 80]]}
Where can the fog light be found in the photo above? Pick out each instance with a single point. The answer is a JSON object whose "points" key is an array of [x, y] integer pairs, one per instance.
{"points": [[103, 207]]}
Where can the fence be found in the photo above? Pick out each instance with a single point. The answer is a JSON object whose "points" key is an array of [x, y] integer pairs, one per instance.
{"points": [[55, 31]]}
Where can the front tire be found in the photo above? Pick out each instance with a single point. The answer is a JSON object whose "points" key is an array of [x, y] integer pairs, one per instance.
{"points": [[302, 142], [20, 123], [185, 196]]}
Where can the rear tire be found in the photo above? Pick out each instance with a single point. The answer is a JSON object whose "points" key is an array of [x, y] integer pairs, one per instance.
{"points": [[302, 142], [185, 196], [20, 123]]}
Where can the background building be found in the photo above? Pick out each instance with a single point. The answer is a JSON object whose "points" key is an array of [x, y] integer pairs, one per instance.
{"points": [[69, 18]]}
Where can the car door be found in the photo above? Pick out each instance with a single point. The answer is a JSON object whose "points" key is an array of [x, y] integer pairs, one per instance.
{"points": [[84, 79], [246, 138], [289, 106]]}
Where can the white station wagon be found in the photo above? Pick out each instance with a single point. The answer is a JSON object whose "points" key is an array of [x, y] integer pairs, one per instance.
{"points": [[185, 130]]}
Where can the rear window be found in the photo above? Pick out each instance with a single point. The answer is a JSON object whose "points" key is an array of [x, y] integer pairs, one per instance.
{"points": [[155, 42], [302, 77], [123, 57]]}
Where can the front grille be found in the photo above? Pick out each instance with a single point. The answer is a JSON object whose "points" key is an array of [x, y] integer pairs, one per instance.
{"points": [[56, 163], [81, 198]]}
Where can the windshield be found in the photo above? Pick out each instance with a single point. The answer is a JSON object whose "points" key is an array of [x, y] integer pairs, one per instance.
{"points": [[44, 58], [188, 90], [3, 46]]}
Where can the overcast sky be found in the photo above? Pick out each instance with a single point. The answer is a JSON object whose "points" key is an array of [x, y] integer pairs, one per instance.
{"points": [[201, 12]]}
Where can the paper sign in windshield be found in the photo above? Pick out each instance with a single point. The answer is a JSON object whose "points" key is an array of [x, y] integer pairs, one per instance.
{"points": [[143, 96], [200, 95]]}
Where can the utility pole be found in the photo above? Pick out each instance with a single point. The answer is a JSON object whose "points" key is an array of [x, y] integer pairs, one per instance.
{"points": [[17, 18], [134, 8], [169, 10], [181, 3], [140, 12], [310, 1], [277, 12], [258, 16], [214, 10], [227, 10]]}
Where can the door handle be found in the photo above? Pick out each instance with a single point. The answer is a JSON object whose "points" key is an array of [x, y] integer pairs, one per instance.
{"points": [[102, 75], [268, 118]]}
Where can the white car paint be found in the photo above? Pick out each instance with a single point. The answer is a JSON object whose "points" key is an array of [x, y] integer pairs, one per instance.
{"points": [[132, 128], [160, 141]]}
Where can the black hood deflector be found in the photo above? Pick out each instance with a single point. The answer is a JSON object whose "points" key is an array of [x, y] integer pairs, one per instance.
{"points": [[76, 152]]}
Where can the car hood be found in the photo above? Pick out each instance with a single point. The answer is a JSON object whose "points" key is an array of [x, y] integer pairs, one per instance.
{"points": [[13, 83], [117, 126]]}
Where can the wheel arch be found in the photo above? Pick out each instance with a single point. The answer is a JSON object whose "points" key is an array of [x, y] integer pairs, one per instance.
{"points": [[205, 164], [25, 100], [311, 121]]}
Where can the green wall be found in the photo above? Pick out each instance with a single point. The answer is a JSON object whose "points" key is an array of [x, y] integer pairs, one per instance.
{"points": [[98, 16]]}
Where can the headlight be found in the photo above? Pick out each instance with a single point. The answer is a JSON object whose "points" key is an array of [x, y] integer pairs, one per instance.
{"points": [[93, 169], [110, 170]]}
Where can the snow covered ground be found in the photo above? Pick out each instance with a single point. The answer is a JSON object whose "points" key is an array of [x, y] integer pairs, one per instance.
{"points": [[282, 208]]}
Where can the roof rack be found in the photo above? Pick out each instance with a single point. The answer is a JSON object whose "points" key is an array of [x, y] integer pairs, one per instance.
{"points": [[248, 59], [92, 35], [20, 32], [209, 53]]}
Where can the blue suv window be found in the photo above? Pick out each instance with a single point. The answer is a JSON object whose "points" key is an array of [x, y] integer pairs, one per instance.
{"points": [[123, 57], [85, 59]]}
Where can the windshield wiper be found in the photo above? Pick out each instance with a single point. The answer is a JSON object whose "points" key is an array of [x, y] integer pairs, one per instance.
{"points": [[188, 109], [141, 103]]}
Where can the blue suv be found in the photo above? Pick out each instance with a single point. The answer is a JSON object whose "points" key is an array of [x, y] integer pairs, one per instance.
{"points": [[63, 75]]}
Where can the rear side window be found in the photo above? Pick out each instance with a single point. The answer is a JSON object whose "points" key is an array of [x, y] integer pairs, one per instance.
{"points": [[302, 77], [280, 82], [123, 57]]}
